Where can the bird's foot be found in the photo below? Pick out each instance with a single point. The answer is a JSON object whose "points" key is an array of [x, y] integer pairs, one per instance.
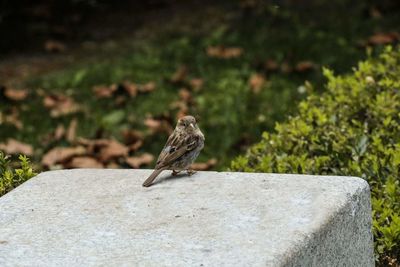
{"points": [[190, 172], [175, 173]]}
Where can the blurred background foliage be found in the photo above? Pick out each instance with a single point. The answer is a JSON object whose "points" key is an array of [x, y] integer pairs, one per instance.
{"points": [[238, 66]]}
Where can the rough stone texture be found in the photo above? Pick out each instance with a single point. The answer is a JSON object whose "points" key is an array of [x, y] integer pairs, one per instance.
{"points": [[105, 217]]}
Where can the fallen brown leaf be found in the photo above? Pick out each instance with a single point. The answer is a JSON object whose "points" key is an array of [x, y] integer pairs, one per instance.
{"points": [[185, 95], [59, 132], [182, 107], [382, 38], [130, 88], [61, 154], [375, 13], [196, 84], [256, 82], [96, 142], [15, 95], [112, 149], [180, 74], [271, 65], [71, 132], [136, 145], [113, 165], [147, 87], [60, 105], [102, 91], [133, 138], [204, 166], [184, 111], [224, 52], [85, 162], [125, 88], [136, 162], [158, 125], [12, 118], [54, 46], [13, 146], [304, 66], [120, 100]]}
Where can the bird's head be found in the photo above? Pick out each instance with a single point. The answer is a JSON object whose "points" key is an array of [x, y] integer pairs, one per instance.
{"points": [[187, 123]]}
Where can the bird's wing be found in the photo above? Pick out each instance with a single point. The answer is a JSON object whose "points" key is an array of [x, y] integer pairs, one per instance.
{"points": [[176, 146]]}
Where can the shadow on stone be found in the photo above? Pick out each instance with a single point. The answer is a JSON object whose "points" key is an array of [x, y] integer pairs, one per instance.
{"points": [[171, 178]]}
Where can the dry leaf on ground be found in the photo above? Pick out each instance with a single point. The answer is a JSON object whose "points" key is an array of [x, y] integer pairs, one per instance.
{"points": [[136, 162], [375, 13], [204, 166], [183, 108], [382, 38], [13, 146], [60, 105], [131, 136], [85, 162], [224, 52], [157, 126], [54, 46], [125, 88], [71, 132], [147, 87], [196, 84], [14, 94], [92, 144], [256, 82], [104, 149], [102, 91], [59, 132], [183, 111], [113, 165], [304, 66], [112, 149], [185, 95], [12, 117], [271, 65], [180, 74], [61, 154], [136, 145], [131, 88], [133, 139]]}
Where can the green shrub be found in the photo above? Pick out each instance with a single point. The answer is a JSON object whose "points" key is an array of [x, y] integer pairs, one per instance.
{"points": [[352, 129], [10, 177]]}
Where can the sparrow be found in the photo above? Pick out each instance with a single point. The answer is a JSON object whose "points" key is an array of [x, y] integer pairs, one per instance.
{"points": [[182, 148]]}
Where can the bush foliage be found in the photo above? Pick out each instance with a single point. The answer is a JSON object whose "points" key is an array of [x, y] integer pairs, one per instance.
{"points": [[10, 177], [352, 129]]}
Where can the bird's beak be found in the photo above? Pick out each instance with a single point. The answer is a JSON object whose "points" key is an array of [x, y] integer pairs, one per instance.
{"points": [[191, 125]]}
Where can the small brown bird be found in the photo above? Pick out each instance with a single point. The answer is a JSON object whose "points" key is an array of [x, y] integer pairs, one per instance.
{"points": [[182, 148]]}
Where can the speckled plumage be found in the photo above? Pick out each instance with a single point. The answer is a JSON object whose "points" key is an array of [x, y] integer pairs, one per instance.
{"points": [[182, 148]]}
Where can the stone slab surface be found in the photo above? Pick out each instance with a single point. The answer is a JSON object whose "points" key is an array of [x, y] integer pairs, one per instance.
{"points": [[106, 218]]}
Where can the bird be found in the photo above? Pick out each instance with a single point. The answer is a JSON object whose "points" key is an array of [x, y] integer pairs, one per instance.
{"points": [[181, 149]]}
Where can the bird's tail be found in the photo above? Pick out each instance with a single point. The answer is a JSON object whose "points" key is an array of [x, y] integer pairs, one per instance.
{"points": [[152, 176]]}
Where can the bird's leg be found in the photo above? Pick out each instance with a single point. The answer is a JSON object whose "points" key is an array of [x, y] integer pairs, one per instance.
{"points": [[175, 173], [190, 172]]}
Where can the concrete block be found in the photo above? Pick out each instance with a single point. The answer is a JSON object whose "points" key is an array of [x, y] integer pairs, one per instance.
{"points": [[93, 217]]}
